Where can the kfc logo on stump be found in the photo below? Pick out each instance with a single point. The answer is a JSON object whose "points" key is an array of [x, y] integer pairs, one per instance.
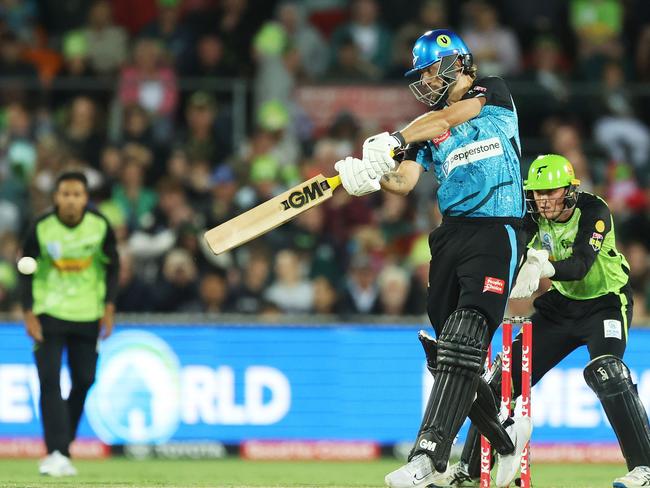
{"points": [[494, 285]]}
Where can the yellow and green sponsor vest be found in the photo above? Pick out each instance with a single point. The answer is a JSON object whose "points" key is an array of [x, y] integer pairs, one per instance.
{"points": [[70, 281], [591, 218]]}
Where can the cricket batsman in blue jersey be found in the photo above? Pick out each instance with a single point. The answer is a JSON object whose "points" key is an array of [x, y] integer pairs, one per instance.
{"points": [[469, 139]]}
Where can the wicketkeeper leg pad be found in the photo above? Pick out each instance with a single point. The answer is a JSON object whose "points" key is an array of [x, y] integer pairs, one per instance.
{"points": [[610, 379]]}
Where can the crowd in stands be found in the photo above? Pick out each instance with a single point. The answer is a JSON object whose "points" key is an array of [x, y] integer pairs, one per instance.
{"points": [[133, 92]]}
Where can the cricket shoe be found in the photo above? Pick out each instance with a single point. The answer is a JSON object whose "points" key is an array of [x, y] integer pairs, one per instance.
{"points": [[456, 475], [56, 465], [459, 476], [639, 476], [417, 473], [519, 431]]}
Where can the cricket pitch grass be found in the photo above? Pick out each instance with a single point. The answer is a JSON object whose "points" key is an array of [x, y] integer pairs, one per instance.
{"points": [[237, 473]]}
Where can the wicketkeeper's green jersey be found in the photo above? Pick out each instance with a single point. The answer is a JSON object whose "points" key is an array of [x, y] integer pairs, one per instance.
{"points": [[583, 250], [77, 267]]}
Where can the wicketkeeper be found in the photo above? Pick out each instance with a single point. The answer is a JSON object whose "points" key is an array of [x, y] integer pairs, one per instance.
{"points": [[589, 304]]}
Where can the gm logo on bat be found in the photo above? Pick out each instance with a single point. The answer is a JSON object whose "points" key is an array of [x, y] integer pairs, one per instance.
{"points": [[308, 194]]}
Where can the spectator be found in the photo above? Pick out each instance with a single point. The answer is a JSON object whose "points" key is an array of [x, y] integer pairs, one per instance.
{"points": [[107, 42], [432, 15], [618, 131], [135, 294], [248, 297], [59, 17], [494, 46], [213, 293], [208, 61], [201, 140], [365, 31], [290, 291], [169, 30], [224, 205], [549, 92], [313, 51], [598, 25], [639, 261], [135, 200], [177, 290], [82, 134], [395, 219], [72, 79], [157, 232], [394, 287], [151, 84], [278, 66], [20, 17], [325, 297], [348, 64], [360, 293], [235, 23], [21, 77], [567, 141]]}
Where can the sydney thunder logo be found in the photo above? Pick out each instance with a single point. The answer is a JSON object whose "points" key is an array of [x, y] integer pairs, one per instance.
{"points": [[308, 194]]}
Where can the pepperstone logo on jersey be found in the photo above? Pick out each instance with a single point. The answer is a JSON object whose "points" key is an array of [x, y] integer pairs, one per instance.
{"points": [[472, 153], [309, 193]]}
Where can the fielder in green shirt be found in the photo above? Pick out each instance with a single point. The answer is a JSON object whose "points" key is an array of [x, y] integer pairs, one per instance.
{"points": [[573, 242], [67, 303]]}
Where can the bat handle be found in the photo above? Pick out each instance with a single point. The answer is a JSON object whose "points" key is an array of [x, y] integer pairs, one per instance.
{"points": [[334, 181]]}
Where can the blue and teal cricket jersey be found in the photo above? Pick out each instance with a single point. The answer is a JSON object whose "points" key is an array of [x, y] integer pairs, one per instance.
{"points": [[477, 162]]}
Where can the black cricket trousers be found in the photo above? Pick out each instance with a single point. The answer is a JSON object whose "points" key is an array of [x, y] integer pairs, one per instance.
{"points": [[61, 417]]}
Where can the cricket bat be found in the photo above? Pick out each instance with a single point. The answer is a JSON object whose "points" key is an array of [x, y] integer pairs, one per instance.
{"points": [[271, 214]]}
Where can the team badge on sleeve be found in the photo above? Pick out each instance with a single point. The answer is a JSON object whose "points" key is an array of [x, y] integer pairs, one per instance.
{"points": [[596, 241]]}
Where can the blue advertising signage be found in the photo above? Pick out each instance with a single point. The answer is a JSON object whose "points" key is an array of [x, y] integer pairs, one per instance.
{"points": [[236, 383]]}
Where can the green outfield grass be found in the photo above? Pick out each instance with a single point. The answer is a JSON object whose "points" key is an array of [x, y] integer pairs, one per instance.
{"points": [[238, 474]]}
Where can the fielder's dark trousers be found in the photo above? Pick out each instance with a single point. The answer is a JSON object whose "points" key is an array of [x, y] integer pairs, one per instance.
{"points": [[61, 417], [561, 325]]}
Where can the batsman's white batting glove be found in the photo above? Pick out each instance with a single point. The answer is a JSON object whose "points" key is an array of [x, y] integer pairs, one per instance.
{"points": [[357, 179], [537, 266], [379, 150]]}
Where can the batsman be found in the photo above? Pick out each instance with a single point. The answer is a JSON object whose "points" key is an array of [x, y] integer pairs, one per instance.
{"points": [[589, 303], [469, 138]]}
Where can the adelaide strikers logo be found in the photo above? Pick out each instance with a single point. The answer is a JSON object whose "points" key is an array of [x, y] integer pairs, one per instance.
{"points": [[443, 40], [136, 398]]}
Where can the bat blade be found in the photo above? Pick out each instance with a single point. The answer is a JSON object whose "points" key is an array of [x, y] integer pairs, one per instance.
{"points": [[271, 214]]}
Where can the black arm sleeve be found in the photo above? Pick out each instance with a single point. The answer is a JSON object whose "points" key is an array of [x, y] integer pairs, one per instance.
{"points": [[411, 151], [112, 266], [31, 249], [588, 242], [495, 91]]}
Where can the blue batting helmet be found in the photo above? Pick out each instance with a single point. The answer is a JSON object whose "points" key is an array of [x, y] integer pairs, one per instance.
{"points": [[439, 46], [434, 45]]}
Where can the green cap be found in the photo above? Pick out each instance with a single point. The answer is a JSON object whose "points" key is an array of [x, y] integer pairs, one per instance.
{"points": [[264, 168], [549, 172], [273, 115], [75, 45]]}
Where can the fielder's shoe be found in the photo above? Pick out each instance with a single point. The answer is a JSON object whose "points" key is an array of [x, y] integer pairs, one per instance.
{"points": [[56, 464], [519, 432], [417, 473], [639, 476]]}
